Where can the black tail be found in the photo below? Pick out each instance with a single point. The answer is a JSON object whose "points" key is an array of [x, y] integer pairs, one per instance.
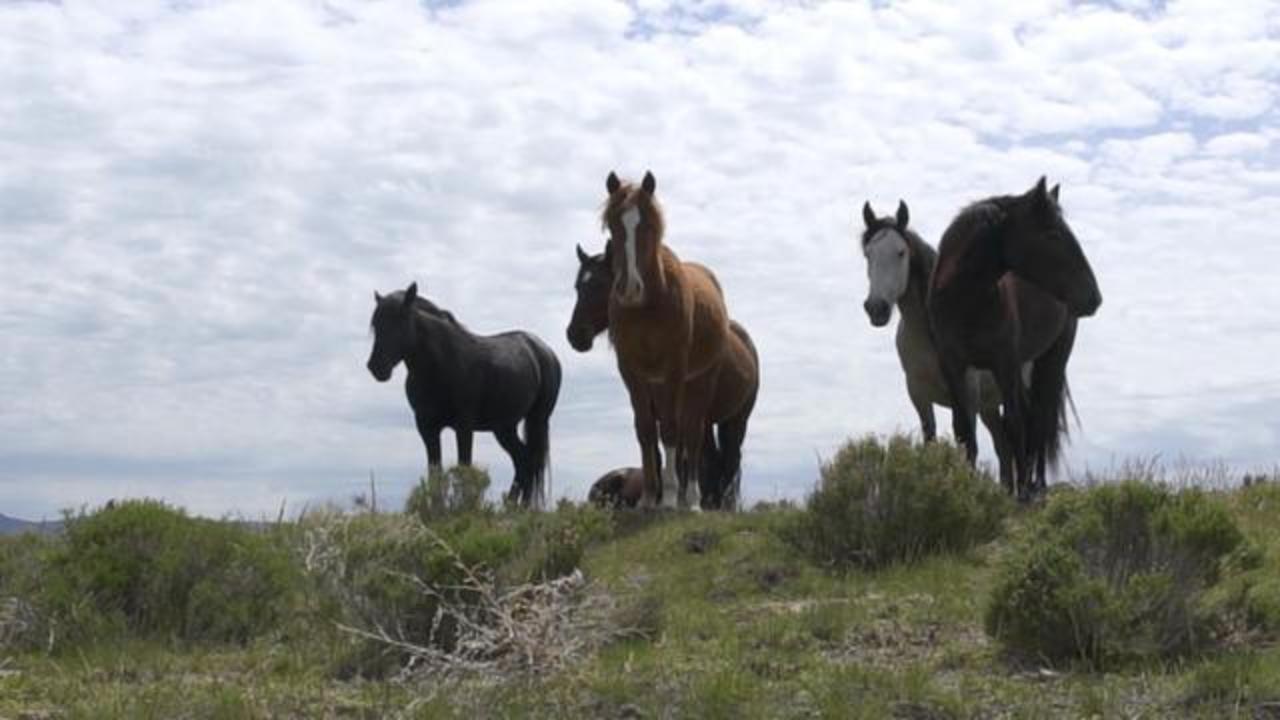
{"points": [[1050, 398], [537, 425]]}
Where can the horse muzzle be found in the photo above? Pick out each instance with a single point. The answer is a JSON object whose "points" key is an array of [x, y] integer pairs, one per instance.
{"points": [[629, 292], [579, 339], [379, 373], [1090, 308], [878, 311]]}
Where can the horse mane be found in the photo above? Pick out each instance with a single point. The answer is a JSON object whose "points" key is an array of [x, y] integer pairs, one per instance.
{"points": [[977, 222], [630, 194], [923, 260], [438, 312]]}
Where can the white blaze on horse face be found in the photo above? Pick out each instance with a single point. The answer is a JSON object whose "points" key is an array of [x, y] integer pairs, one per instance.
{"points": [[635, 285], [888, 266]]}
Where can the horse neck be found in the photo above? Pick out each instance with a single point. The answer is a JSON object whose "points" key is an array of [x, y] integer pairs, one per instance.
{"points": [[660, 273], [439, 343], [973, 266], [912, 303]]}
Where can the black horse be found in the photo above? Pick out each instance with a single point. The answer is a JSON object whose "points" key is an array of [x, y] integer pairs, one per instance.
{"points": [[1010, 283], [469, 383]]}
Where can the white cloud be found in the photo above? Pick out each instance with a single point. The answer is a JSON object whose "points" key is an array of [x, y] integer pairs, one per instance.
{"points": [[197, 202]]}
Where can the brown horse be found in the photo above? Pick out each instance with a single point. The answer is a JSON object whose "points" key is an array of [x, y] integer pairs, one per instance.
{"points": [[618, 489], [1009, 285], [737, 381], [669, 325]]}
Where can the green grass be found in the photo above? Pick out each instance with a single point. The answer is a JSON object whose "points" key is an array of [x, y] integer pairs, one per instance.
{"points": [[738, 623]]}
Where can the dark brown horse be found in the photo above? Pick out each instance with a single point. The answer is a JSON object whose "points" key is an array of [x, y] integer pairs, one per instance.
{"points": [[737, 382], [1009, 285], [618, 489], [669, 325]]}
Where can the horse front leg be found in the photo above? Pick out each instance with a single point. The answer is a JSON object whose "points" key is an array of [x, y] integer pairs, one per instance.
{"points": [[430, 433], [463, 436], [676, 388], [953, 373], [694, 430], [921, 401], [990, 415], [646, 427]]}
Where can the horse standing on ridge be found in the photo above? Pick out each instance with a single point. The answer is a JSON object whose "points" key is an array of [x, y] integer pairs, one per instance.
{"points": [[1010, 282], [669, 325], [469, 383], [733, 395], [899, 263]]}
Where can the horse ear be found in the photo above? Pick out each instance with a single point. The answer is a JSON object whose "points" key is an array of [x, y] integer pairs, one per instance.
{"points": [[411, 294], [1040, 194], [904, 215], [1053, 192], [377, 297], [612, 183], [868, 215], [649, 184], [582, 256]]}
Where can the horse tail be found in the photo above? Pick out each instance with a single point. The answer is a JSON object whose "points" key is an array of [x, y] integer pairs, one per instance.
{"points": [[537, 426], [1050, 401]]}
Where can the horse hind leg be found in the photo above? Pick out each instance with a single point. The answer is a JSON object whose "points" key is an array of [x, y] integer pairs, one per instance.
{"points": [[710, 488], [509, 439]]}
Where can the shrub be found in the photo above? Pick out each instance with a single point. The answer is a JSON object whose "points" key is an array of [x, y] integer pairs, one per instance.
{"points": [[553, 543], [880, 503], [142, 567], [1114, 572], [381, 573], [442, 493]]}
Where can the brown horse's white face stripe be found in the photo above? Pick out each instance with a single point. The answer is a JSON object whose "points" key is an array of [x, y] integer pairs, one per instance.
{"points": [[631, 284]]}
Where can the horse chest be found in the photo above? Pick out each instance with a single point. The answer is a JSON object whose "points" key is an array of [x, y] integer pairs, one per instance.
{"points": [[646, 354]]}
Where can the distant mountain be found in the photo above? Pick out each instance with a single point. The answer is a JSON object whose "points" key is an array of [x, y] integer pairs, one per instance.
{"points": [[13, 526]]}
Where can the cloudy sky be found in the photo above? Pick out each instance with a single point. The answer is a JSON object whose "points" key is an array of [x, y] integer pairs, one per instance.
{"points": [[197, 200]]}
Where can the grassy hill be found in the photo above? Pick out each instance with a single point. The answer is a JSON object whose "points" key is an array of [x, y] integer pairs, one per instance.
{"points": [[669, 615]]}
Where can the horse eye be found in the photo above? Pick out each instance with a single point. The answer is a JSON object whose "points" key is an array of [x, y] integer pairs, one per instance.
{"points": [[901, 253]]}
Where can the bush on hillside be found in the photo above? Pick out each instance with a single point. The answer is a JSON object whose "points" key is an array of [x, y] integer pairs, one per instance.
{"points": [[442, 493], [386, 573], [879, 503], [144, 568], [553, 544], [1115, 572]]}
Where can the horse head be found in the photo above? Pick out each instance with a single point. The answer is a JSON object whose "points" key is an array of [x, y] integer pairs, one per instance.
{"points": [[393, 330], [888, 254], [1041, 248], [634, 221], [591, 311]]}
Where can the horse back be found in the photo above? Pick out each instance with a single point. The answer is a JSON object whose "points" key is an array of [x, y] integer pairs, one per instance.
{"points": [[705, 311], [738, 377]]}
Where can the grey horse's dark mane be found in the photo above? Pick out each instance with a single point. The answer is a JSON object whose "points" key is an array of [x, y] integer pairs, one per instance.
{"points": [[923, 260]]}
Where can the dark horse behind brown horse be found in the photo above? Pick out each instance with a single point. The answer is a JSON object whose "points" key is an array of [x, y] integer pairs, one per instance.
{"points": [[1010, 282], [669, 325], [736, 384]]}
